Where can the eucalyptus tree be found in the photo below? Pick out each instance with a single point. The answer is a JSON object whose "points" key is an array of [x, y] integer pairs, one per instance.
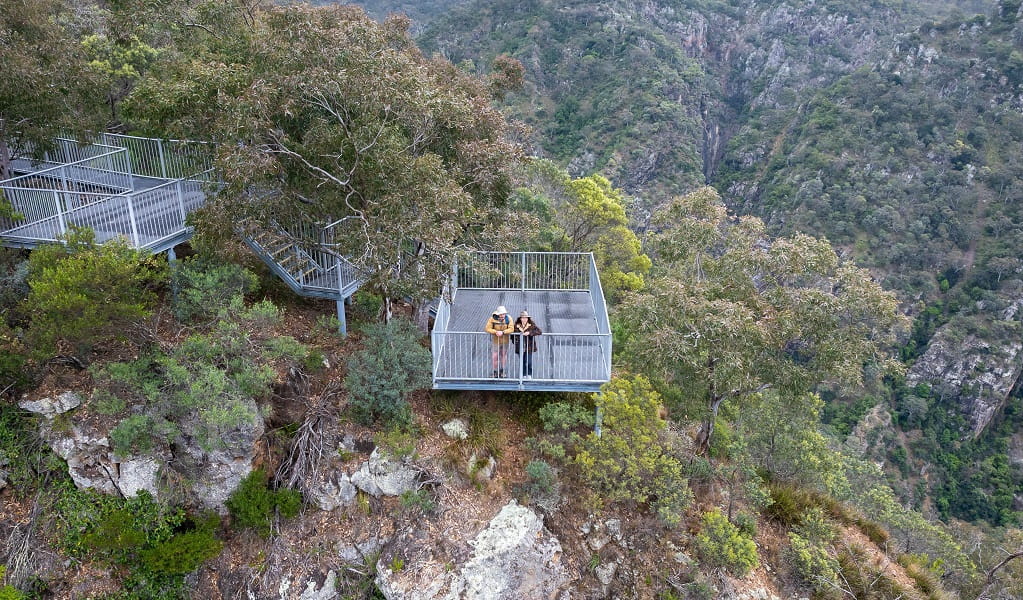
{"points": [[332, 116], [733, 313], [48, 85]]}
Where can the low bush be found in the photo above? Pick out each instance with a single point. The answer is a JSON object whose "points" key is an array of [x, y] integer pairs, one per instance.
{"points": [[382, 374], [254, 504], [721, 544], [811, 561], [541, 476], [203, 289], [181, 554]]}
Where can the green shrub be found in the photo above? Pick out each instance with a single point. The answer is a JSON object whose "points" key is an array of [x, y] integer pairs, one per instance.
{"points": [[253, 504], [9, 592], [721, 544], [182, 553], [541, 476], [205, 289], [139, 433], [418, 502], [83, 292], [558, 416], [812, 562], [747, 524], [630, 461], [115, 535], [815, 526], [390, 365]]}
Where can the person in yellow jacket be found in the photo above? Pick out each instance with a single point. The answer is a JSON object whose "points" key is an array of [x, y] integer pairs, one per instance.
{"points": [[499, 326]]}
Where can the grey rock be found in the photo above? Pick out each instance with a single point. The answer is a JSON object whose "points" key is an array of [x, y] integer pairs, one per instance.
{"points": [[481, 470], [614, 528], [514, 557], [328, 591], [333, 493], [218, 467], [3, 479], [606, 573], [456, 429], [51, 407], [138, 474], [383, 475]]}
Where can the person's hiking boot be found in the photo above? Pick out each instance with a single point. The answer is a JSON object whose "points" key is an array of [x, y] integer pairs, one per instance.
{"points": [[528, 377], [502, 373], [494, 375]]}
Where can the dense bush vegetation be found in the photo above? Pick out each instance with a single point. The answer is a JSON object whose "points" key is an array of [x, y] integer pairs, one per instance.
{"points": [[721, 544], [390, 366], [255, 505]]}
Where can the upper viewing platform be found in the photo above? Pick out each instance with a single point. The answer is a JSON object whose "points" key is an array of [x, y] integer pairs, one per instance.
{"points": [[561, 291], [140, 189]]}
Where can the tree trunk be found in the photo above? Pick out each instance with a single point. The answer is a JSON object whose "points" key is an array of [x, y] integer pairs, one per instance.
{"points": [[5, 159], [421, 316], [707, 427]]}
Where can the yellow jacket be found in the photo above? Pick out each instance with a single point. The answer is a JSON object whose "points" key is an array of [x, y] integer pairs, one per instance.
{"points": [[503, 324]]}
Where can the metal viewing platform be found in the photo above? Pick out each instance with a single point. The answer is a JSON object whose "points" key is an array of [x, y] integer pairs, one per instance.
{"points": [[561, 291], [139, 189]]}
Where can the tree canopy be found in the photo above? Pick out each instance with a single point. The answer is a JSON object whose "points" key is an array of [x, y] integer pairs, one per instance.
{"points": [[49, 86], [322, 112], [733, 312]]}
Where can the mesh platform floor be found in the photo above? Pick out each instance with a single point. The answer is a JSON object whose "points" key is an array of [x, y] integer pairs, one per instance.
{"points": [[562, 362], [554, 311]]}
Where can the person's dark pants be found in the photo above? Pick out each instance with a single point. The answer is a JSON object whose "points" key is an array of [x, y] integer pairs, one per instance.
{"points": [[527, 363]]}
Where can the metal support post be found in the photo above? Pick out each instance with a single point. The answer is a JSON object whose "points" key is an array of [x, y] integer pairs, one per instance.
{"points": [[163, 164], [598, 418], [342, 319], [131, 218], [523, 271]]}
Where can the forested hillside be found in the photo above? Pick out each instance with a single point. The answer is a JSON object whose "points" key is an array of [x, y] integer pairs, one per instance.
{"points": [[802, 218], [892, 129]]}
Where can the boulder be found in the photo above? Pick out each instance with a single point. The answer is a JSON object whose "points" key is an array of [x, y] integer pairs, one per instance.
{"points": [[327, 591], [51, 407], [514, 558], [383, 475], [481, 470], [456, 429], [216, 467], [333, 493]]}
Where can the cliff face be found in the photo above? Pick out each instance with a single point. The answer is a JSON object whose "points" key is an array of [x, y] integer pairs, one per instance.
{"points": [[974, 363]]}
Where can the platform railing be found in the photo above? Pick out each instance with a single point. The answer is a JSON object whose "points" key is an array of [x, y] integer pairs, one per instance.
{"points": [[525, 271], [559, 358], [48, 192], [163, 158]]}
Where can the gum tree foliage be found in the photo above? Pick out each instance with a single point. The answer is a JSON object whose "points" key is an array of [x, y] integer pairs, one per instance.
{"points": [[633, 461], [586, 214], [325, 113], [733, 312], [48, 84]]}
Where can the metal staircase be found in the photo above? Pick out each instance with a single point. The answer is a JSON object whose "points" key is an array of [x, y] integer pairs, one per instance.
{"points": [[301, 256]]}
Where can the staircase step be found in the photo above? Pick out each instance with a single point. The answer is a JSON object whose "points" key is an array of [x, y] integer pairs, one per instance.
{"points": [[310, 271], [273, 254]]}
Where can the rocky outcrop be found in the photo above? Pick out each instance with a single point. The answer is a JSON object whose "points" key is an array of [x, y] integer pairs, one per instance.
{"points": [[514, 558], [977, 370], [383, 475], [93, 464], [216, 467], [51, 407]]}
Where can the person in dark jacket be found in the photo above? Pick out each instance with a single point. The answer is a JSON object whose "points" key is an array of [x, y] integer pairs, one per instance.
{"points": [[525, 342]]}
